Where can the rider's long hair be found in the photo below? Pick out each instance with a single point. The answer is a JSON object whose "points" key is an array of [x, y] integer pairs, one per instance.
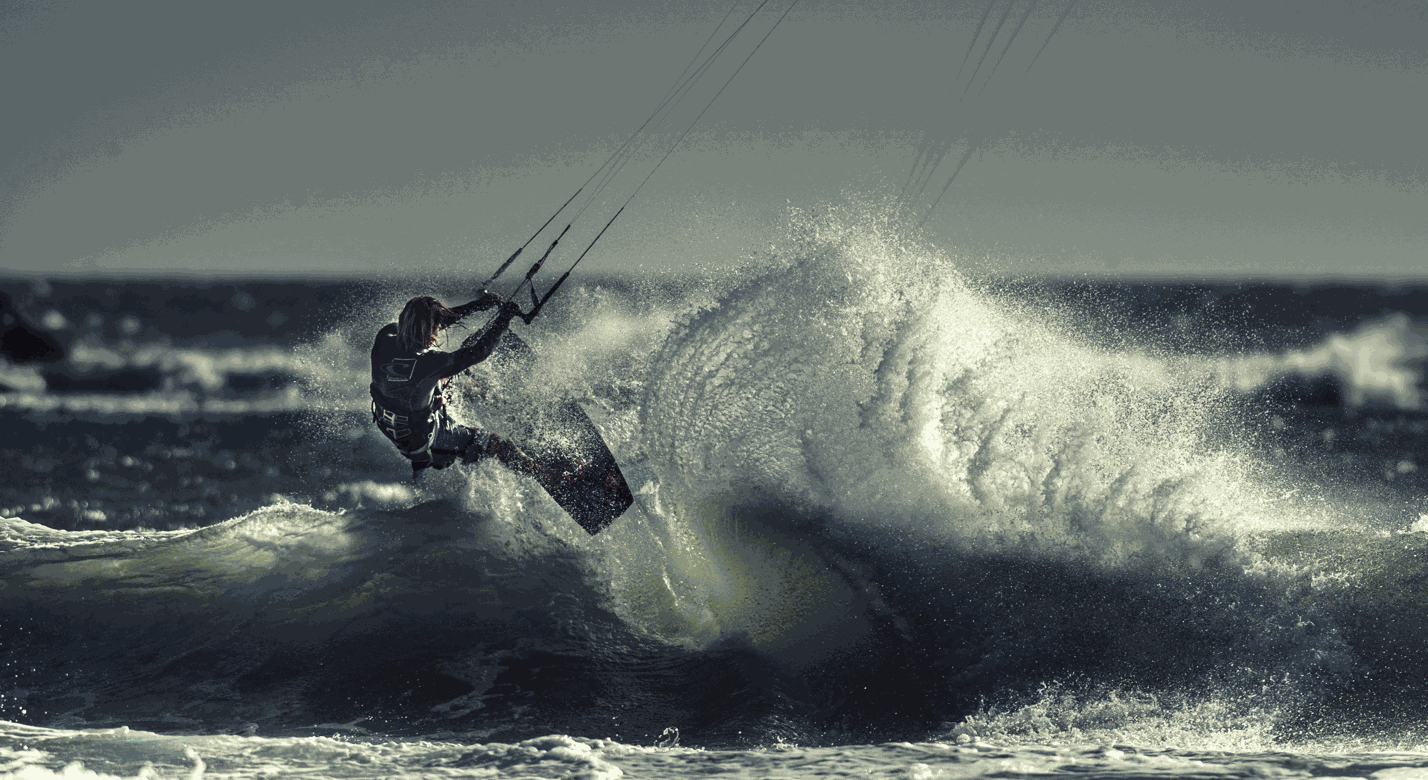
{"points": [[420, 316]]}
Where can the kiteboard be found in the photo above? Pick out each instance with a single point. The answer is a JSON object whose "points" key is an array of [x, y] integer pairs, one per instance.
{"points": [[577, 468]]}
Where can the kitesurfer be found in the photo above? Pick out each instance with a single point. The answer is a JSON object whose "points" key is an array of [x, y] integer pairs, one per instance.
{"points": [[409, 378]]}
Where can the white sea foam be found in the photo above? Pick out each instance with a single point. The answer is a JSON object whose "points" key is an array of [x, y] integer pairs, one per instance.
{"points": [[30, 752]]}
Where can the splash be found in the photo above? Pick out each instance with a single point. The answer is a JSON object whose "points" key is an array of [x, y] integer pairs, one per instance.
{"points": [[861, 432], [865, 379]]}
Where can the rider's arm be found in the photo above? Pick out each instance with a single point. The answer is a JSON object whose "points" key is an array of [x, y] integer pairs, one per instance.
{"points": [[486, 301], [477, 351]]}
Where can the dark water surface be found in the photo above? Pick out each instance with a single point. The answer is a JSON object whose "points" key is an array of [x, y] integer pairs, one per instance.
{"points": [[1209, 520]]}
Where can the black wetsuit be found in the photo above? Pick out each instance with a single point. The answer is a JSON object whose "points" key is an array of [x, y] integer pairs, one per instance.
{"points": [[407, 401]]}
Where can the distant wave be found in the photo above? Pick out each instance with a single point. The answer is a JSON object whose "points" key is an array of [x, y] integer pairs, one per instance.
{"points": [[603, 336], [1380, 362]]}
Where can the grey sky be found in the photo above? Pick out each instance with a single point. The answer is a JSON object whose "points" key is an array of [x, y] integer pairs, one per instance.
{"points": [[1278, 138]]}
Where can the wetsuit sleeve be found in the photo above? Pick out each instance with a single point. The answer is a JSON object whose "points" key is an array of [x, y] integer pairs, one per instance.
{"points": [[486, 301], [477, 351]]}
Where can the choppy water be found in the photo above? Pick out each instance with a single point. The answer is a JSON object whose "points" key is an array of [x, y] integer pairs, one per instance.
{"points": [[891, 521]]}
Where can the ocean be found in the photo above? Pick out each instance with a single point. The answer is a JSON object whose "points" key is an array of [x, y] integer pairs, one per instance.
{"points": [[891, 520]]}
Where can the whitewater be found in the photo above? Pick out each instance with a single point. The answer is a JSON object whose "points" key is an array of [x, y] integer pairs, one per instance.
{"points": [[891, 520]]}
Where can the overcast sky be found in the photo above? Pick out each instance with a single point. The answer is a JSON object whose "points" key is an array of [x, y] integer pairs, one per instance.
{"points": [[1189, 139]]}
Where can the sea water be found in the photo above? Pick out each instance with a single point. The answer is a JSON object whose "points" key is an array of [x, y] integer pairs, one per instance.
{"points": [[891, 520]]}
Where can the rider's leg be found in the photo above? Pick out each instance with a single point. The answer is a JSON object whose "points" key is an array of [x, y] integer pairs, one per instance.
{"points": [[485, 444], [514, 457]]}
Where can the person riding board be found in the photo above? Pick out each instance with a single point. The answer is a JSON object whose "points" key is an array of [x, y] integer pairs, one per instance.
{"points": [[409, 378]]}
